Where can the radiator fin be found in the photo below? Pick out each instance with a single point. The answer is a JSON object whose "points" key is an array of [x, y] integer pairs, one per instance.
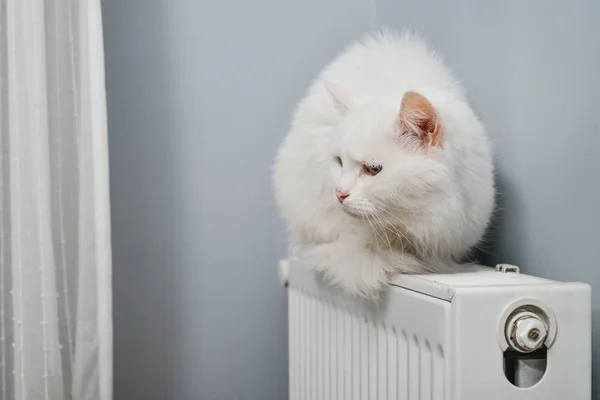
{"points": [[336, 354]]}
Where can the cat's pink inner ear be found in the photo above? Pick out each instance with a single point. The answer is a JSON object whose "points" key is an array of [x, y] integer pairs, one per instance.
{"points": [[342, 96], [417, 116]]}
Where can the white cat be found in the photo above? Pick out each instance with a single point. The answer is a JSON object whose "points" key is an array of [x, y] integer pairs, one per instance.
{"points": [[386, 168]]}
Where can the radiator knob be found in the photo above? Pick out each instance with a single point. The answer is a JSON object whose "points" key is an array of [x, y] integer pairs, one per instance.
{"points": [[526, 332]]}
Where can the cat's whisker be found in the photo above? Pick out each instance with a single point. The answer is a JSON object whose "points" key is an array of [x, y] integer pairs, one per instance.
{"points": [[372, 228], [418, 248], [396, 218], [386, 236], [375, 228], [398, 232], [381, 204]]}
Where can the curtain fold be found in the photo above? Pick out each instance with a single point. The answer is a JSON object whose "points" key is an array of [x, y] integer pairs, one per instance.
{"points": [[55, 257]]}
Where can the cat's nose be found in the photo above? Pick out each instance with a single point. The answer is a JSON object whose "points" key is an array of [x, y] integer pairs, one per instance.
{"points": [[341, 195]]}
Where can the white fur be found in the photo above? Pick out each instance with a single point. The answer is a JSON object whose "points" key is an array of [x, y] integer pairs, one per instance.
{"points": [[425, 209]]}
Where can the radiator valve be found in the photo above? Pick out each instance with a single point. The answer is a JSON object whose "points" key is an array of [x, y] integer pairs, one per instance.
{"points": [[526, 331]]}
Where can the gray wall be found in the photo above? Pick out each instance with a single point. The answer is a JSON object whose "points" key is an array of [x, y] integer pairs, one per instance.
{"points": [[199, 95]]}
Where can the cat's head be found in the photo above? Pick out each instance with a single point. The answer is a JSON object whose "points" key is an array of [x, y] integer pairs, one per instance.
{"points": [[387, 156]]}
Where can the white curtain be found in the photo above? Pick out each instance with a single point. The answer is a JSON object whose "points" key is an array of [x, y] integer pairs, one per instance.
{"points": [[55, 259]]}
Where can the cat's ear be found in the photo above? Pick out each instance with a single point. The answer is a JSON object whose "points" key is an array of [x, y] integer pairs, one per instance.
{"points": [[418, 117], [342, 97]]}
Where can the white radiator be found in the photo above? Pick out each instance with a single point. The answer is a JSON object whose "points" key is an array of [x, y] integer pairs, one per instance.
{"points": [[483, 335]]}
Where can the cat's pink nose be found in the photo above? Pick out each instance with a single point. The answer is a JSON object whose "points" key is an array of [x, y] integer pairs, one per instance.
{"points": [[341, 195]]}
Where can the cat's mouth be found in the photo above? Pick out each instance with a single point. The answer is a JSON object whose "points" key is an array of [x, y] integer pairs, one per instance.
{"points": [[354, 213], [358, 208]]}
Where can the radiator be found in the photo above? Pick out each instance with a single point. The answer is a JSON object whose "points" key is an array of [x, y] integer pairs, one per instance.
{"points": [[490, 334]]}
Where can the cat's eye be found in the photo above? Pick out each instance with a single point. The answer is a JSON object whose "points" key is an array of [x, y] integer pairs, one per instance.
{"points": [[339, 161], [371, 169]]}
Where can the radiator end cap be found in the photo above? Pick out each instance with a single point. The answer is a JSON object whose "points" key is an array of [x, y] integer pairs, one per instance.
{"points": [[283, 271]]}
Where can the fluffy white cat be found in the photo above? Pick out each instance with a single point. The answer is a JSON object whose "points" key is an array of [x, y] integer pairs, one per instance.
{"points": [[386, 168]]}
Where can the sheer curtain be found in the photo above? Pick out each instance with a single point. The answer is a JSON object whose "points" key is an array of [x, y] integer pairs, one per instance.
{"points": [[55, 260]]}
